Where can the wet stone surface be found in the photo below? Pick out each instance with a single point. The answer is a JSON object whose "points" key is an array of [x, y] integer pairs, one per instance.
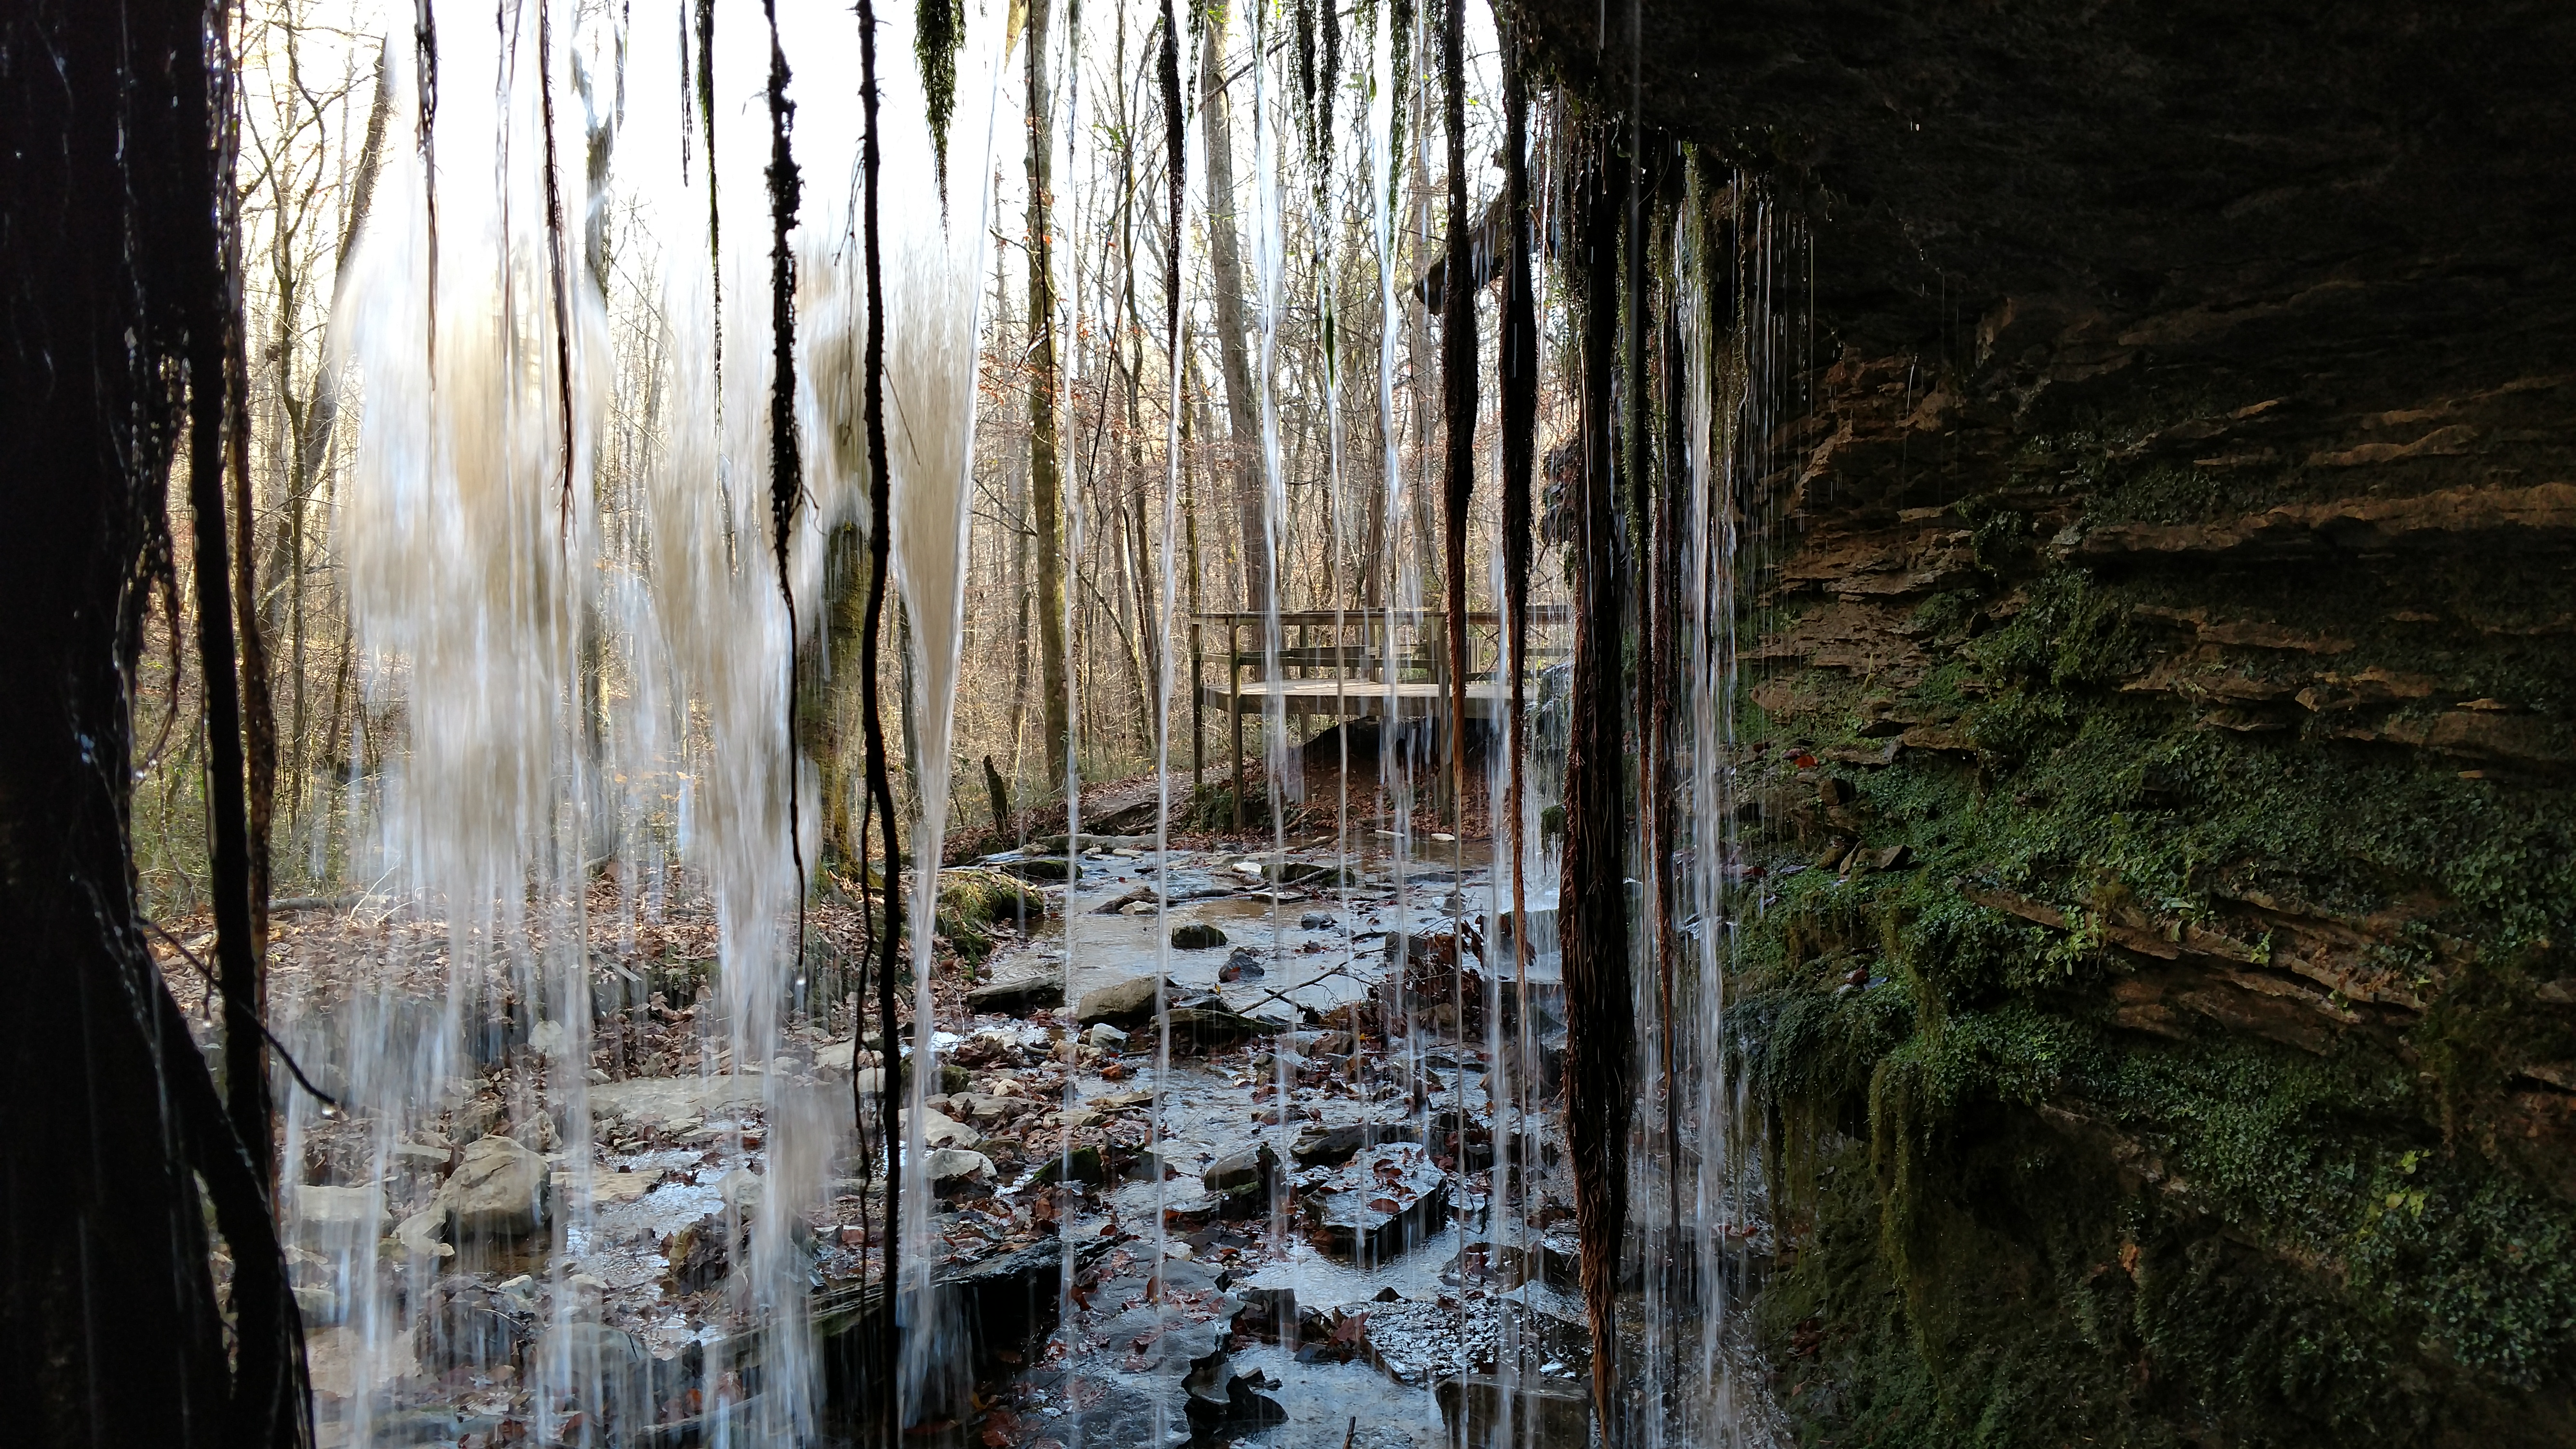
{"points": [[1277, 1212]]}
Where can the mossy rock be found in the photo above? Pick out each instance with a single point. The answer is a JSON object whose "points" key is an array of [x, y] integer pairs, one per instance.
{"points": [[972, 898]]}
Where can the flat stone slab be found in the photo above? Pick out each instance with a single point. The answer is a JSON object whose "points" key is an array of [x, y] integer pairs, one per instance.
{"points": [[1018, 994], [670, 1099]]}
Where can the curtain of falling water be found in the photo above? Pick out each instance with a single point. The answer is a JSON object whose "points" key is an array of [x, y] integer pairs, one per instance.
{"points": [[933, 315], [1286, 771], [1165, 602], [465, 562], [471, 564]]}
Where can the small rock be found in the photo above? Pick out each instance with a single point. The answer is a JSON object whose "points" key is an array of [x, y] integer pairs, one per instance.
{"points": [[537, 1132], [500, 1190], [1895, 857], [1122, 1003], [1244, 1167], [423, 1234], [939, 1130], [1197, 936], [1314, 921], [1267, 1313], [422, 1156], [1082, 1164], [951, 1168], [1107, 1037], [1243, 965], [740, 1190]]}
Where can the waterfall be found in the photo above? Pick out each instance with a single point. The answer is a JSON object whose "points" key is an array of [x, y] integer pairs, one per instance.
{"points": [[579, 663]]}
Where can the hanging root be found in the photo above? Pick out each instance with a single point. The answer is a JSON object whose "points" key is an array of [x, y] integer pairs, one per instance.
{"points": [[1602, 1022], [880, 790], [1458, 386], [1520, 427]]}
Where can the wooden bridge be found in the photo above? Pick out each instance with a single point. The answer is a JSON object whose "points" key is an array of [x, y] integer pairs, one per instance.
{"points": [[1350, 664]]}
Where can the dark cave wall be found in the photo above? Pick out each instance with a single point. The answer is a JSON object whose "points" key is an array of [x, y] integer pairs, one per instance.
{"points": [[2162, 697]]}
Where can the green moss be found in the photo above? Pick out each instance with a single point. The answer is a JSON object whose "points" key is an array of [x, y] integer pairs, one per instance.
{"points": [[2016, 1224], [972, 900]]}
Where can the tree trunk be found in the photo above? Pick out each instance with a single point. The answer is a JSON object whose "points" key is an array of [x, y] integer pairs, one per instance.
{"points": [[1045, 487], [1225, 266], [109, 193]]}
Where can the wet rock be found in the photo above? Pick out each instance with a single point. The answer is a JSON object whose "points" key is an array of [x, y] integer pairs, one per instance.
{"points": [[348, 1213], [1380, 1205], [1315, 921], [1269, 1313], [1484, 1412], [1197, 936], [317, 1305], [1309, 873], [1120, 1003], [1107, 1037], [939, 1130], [615, 1360], [1242, 1168], [499, 1190], [1018, 995], [983, 1111], [1041, 868], [424, 1234], [1141, 896], [1211, 1028], [701, 1253], [1221, 1402], [740, 1191], [1243, 965], [1082, 1164], [953, 1169], [1332, 1146], [465, 1322], [1007, 1301]]}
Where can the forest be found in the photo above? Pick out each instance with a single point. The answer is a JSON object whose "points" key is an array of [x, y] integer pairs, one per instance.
{"points": [[1401, 723]]}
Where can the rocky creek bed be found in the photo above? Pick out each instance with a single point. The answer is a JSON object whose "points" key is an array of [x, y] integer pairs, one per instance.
{"points": [[1328, 1219]]}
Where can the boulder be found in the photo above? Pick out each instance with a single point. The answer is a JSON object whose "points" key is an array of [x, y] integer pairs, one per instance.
{"points": [[1120, 1003], [500, 1190]]}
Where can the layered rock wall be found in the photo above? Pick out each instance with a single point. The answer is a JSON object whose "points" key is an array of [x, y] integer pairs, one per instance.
{"points": [[2159, 694]]}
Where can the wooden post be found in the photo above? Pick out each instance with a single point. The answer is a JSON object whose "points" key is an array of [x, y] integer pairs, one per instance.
{"points": [[1198, 719]]}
